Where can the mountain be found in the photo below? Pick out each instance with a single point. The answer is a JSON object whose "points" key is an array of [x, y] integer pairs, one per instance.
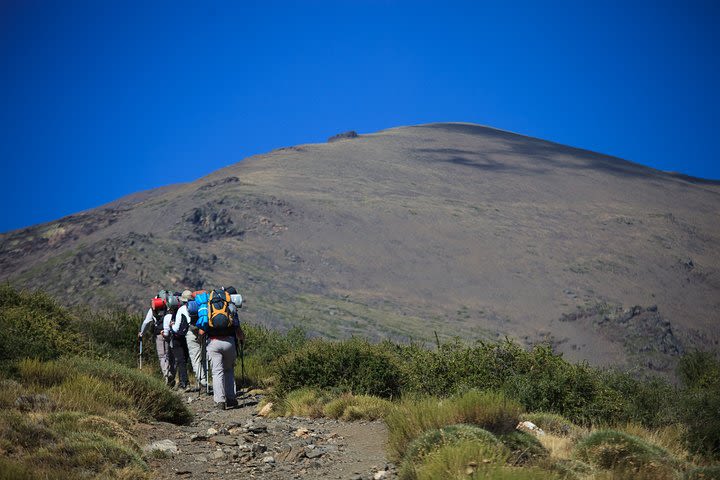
{"points": [[449, 228]]}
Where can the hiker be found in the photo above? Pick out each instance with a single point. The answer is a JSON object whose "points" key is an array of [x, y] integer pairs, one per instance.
{"points": [[222, 327], [175, 326], [195, 342], [155, 316]]}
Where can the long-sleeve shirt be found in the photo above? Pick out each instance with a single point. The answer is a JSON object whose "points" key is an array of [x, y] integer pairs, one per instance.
{"points": [[148, 321], [180, 325]]}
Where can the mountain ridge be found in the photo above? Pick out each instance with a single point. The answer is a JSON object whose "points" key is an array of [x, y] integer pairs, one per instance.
{"points": [[450, 227]]}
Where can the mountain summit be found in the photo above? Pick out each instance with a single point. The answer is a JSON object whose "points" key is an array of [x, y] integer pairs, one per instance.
{"points": [[451, 228]]}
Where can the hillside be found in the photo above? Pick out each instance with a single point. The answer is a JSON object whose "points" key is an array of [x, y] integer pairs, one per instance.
{"points": [[455, 228]]}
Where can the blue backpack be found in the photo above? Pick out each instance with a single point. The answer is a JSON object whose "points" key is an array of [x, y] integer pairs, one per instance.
{"points": [[201, 304]]}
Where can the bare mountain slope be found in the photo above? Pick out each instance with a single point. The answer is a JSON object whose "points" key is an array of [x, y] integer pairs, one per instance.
{"points": [[455, 228]]}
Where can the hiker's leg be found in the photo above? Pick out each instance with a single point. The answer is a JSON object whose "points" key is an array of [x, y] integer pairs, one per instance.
{"points": [[162, 349], [180, 362], [195, 350], [171, 362], [215, 354], [229, 358]]}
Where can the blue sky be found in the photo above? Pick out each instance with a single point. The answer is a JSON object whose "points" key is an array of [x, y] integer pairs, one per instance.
{"points": [[105, 98]]}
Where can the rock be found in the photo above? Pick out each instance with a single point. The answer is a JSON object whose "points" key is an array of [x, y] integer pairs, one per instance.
{"points": [[217, 455], [225, 440], [268, 459], [293, 455], [198, 437], [531, 428], [265, 411], [343, 136], [211, 431], [382, 474], [257, 429], [258, 448], [313, 452], [302, 432], [167, 447]]}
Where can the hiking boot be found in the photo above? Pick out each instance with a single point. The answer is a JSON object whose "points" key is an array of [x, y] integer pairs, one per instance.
{"points": [[231, 404], [219, 405]]}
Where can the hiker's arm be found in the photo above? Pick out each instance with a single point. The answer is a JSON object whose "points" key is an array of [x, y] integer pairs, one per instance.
{"points": [[181, 320], [148, 320], [167, 320]]}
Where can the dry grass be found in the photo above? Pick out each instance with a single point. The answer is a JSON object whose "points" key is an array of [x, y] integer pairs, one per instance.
{"points": [[350, 407], [559, 447]]}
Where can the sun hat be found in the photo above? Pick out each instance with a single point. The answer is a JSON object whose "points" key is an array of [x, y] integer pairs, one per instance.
{"points": [[186, 296]]}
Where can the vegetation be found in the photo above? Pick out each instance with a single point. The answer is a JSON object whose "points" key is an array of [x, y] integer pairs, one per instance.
{"points": [[451, 411], [69, 393]]}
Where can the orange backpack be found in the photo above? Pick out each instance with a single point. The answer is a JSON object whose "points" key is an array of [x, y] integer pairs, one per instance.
{"points": [[219, 316]]}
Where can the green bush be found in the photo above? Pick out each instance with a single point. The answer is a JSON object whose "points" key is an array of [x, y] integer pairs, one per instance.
{"points": [[112, 334], [611, 449], [700, 402], [267, 345], [353, 365], [468, 459], [34, 325], [489, 410], [456, 367], [524, 448], [431, 440]]}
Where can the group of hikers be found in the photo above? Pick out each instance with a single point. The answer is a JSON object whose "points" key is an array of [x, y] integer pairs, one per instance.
{"points": [[202, 326]]}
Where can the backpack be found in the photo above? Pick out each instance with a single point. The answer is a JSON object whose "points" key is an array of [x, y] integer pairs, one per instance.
{"points": [[214, 315], [192, 307], [219, 315], [159, 308], [173, 303]]}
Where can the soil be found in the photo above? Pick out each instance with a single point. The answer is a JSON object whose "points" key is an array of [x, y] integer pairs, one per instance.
{"points": [[237, 443]]}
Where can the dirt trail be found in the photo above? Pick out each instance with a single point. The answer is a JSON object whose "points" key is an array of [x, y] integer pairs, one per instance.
{"points": [[238, 444]]}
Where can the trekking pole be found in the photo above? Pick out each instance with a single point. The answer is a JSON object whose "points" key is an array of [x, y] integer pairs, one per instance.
{"points": [[242, 363], [141, 342], [198, 374], [207, 367]]}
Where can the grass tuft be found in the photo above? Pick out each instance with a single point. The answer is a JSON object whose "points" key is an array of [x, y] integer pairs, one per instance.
{"points": [[489, 410], [615, 450], [351, 407]]}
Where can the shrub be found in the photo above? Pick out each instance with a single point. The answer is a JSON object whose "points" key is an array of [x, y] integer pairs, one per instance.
{"points": [[431, 440], [611, 449], [111, 334], [524, 448], [700, 371], [471, 459], [354, 365], [411, 417], [457, 367], [34, 325], [264, 345]]}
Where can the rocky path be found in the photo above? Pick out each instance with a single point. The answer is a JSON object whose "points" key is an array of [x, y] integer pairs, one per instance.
{"points": [[239, 444]]}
